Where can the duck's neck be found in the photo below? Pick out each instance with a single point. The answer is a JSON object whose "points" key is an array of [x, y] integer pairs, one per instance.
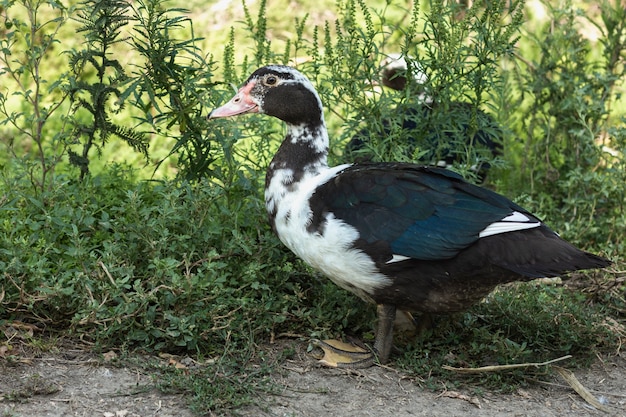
{"points": [[302, 155], [304, 149]]}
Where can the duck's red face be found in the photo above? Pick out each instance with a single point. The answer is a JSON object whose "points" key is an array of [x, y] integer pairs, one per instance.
{"points": [[242, 103]]}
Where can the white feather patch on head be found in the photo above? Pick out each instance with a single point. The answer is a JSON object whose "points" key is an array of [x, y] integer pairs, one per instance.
{"points": [[511, 223], [398, 62]]}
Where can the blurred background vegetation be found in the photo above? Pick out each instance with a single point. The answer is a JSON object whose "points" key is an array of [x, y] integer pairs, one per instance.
{"points": [[129, 221]]}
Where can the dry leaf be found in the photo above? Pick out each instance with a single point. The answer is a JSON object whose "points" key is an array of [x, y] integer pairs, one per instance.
{"points": [[573, 382], [338, 354], [453, 394], [4, 349], [177, 364], [27, 328], [172, 360]]}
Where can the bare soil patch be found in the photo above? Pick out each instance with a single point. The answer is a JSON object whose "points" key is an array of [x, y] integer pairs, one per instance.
{"points": [[310, 390], [76, 383], [70, 383]]}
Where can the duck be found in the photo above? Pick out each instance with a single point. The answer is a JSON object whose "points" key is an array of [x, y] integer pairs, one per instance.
{"points": [[445, 143], [401, 236]]}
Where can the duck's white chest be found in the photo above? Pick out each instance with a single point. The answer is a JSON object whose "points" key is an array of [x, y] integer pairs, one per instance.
{"points": [[330, 251]]}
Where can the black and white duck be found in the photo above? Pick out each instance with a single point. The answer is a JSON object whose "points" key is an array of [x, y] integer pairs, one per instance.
{"points": [[403, 236], [444, 143]]}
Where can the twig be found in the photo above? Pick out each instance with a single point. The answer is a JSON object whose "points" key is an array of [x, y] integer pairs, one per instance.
{"points": [[567, 375], [503, 367]]}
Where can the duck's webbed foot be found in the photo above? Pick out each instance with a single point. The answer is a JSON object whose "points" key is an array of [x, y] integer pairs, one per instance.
{"points": [[339, 354]]}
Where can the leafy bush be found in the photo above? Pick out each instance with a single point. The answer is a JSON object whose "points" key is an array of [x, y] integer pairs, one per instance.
{"points": [[29, 103], [458, 54], [172, 85], [570, 127], [138, 101], [161, 265], [102, 23]]}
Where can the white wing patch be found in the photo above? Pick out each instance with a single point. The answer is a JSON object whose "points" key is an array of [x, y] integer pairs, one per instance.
{"points": [[397, 258], [511, 223]]}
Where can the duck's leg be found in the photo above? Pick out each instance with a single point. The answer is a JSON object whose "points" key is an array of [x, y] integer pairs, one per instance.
{"points": [[338, 354], [384, 332]]}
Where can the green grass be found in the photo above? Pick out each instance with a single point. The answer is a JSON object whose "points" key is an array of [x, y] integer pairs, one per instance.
{"points": [[524, 323]]}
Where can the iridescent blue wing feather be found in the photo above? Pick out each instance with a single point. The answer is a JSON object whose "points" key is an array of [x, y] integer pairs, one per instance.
{"points": [[422, 213]]}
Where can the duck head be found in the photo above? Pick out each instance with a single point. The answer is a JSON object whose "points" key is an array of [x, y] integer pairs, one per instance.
{"points": [[278, 91]]}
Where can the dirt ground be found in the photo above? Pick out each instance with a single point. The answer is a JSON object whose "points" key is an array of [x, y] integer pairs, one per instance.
{"points": [[75, 383]]}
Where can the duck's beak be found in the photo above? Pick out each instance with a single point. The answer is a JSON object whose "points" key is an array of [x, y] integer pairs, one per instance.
{"points": [[242, 103]]}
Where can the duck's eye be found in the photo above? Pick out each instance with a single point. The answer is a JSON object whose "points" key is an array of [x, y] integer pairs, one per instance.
{"points": [[270, 80]]}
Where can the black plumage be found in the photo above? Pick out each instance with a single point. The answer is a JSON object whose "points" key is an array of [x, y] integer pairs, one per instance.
{"points": [[403, 236], [434, 218]]}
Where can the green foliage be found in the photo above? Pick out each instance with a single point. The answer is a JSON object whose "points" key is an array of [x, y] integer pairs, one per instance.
{"points": [[29, 103], [172, 85], [165, 90], [102, 23], [459, 57], [258, 30], [571, 141], [145, 264], [165, 266]]}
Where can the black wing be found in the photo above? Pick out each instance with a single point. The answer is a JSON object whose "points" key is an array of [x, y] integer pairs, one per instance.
{"points": [[420, 212]]}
